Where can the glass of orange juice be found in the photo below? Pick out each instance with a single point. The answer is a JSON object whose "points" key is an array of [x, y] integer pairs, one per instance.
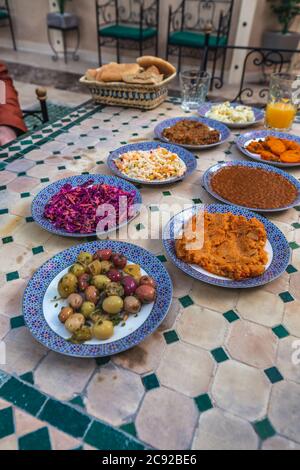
{"points": [[281, 108]]}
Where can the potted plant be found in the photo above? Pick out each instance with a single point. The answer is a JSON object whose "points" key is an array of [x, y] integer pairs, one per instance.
{"points": [[61, 19], [286, 11]]}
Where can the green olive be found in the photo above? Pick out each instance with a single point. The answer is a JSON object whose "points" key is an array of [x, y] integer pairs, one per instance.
{"points": [[95, 267], [81, 336], [75, 322], [100, 281], [113, 305], [85, 258], [87, 309], [103, 330], [106, 266], [67, 285], [114, 288], [77, 269]]}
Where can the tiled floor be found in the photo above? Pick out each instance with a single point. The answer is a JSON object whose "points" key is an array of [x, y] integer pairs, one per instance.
{"points": [[218, 372]]}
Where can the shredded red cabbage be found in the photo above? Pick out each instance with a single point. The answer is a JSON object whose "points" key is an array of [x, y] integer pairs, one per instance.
{"points": [[74, 209]]}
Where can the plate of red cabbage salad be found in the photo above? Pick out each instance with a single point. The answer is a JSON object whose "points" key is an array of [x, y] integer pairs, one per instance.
{"points": [[86, 205]]}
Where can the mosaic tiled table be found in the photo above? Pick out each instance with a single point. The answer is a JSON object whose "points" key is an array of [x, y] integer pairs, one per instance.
{"points": [[217, 374]]}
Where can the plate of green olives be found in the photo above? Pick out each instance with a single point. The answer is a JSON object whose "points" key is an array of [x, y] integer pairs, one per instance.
{"points": [[97, 299]]}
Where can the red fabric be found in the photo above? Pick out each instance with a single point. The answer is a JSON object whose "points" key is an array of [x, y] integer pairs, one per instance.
{"points": [[10, 113]]}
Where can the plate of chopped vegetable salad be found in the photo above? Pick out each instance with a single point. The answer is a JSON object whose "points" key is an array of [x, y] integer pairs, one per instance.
{"points": [[86, 205], [152, 163]]}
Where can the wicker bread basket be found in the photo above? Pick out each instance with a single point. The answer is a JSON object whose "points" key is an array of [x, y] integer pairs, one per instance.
{"points": [[129, 95]]}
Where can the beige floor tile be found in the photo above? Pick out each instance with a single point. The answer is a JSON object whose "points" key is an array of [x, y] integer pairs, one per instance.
{"points": [[284, 410], [287, 348], [221, 431], [11, 295], [12, 260], [279, 443], [4, 404], [145, 357], [9, 224], [23, 352], [6, 177], [170, 319], [241, 390], [25, 423], [252, 344], [186, 369], [167, 420], [296, 259], [9, 443], [295, 286], [261, 307], [291, 318], [201, 327], [182, 284], [4, 326], [29, 268], [124, 389], [23, 184], [68, 377], [213, 297], [279, 285]]}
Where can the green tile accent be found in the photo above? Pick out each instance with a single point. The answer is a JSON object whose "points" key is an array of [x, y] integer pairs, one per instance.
{"points": [[37, 440], [12, 276], [162, 258], [6, 422], [7, 240], [286, 297], [167, 193], [37, 250], [197, 201], [45, 180], [78, 401], [104, 437], [171, 337], [281, 332], [154, 209], [294, 245], [219, 355], [28, 377], [296, 225], [17, 322], [40, 162], [29, 220], [2, 188], [102, 361], [203, 403], [73, 422], [61, 168], [24, 195], [274, 375], [291, 269], [3, 211], [264, 429], [129, 429], [150, 382], [186, 301], [22, 395], [140, 227], [23, 173], [231, 316]]}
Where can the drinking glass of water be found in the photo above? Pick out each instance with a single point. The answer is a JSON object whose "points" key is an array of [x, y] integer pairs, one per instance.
{"points": [[194, 88]]}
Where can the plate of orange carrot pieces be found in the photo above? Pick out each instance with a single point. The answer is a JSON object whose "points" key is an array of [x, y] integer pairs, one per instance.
{"points": [[275, 148]]}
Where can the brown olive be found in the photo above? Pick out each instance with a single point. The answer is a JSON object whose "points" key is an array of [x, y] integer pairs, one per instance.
{"points": [[132, 305], [146, 294], [65, 314], [92, 294], [83, 282], [148, 281], [75, 301]]}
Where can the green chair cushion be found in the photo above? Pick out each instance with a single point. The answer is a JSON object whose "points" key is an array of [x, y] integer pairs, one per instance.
{"points": [[192, 39], [3, 14], [126, 32]]}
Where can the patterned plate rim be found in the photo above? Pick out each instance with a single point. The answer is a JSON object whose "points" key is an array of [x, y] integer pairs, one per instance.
{"points": [[206, 179], [254, 135], [38, 203], [259, 114], [219, 126], [188, 158], [40, 281], [281, 255]]}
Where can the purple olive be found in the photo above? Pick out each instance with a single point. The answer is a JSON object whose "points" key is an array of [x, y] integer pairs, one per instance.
{"points": [[130, 285], [146, 294], [114, 275], [119, 260]]}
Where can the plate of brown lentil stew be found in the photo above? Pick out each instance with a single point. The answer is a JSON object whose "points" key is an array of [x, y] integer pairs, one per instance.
{"points": [[255, 186], [193, 133]]}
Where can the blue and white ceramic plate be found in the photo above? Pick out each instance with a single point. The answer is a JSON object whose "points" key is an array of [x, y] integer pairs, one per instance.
{"points": [[277, 248], [41, 310], [43, 197], [258, 115], [188, 158], [208, 175], [244, 140], [218, 126]]}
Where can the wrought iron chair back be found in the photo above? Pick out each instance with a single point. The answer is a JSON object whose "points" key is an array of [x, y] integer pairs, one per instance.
{"points": [[4, 7]]}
